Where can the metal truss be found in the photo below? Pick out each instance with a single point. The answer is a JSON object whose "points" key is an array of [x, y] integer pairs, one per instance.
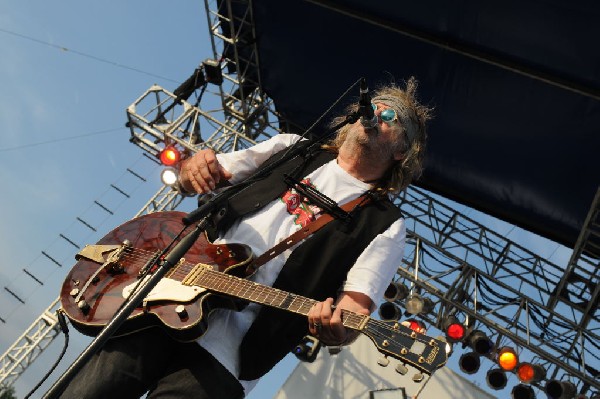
{"points": [[29, 345], [234, 115], [501, 287]]}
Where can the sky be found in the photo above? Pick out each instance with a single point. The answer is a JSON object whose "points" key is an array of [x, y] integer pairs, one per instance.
{"points": [[68, 71]]}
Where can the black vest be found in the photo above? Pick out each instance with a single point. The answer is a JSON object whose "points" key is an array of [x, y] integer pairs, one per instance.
{"points": [[316, 269]]}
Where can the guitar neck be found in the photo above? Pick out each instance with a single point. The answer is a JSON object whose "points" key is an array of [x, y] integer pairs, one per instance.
{"points": [[265, 295]]}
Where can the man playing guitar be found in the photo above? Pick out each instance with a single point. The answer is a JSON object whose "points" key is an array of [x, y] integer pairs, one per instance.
{"points": [[345, 265]]}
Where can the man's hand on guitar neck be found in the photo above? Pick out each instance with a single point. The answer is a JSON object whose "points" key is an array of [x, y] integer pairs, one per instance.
{"points": [[325, 320], [202, 172]]}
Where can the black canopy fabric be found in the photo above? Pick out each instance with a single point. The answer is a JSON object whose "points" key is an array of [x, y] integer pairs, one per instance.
{"points": [[515, 86]]}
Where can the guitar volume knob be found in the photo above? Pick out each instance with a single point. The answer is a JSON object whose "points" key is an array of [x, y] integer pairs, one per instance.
{"points": [[83, 306], [181, 312]]}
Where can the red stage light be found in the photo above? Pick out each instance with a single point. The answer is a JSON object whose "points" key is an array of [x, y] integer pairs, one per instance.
{"points": [[169, 156], [528, 373], [415, 325], [454, 329]]}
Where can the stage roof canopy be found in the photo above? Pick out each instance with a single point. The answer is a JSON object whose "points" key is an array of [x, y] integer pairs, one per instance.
{"points": [[515, 86]]}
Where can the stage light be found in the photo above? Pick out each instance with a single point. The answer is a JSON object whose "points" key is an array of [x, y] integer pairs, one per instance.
{"points": [[496, 379], [388, 311], [560, 389], [530, 373], [415, 325], [307, 349], [455, 330], [521, 391], [169, 156], [212, 68], [395, 292], [507, 358], [414, 304], [169, 176], [469, 363], [427, 306], [480, 343]]}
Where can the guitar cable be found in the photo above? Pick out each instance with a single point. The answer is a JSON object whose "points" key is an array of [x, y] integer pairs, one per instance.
{"points": [[65, 329]]}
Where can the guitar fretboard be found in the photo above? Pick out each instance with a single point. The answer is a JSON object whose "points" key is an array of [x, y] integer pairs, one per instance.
{"points": [[265, 295]]}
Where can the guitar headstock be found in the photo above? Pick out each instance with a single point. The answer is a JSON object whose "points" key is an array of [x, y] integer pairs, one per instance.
{"points": [[400, 342]]}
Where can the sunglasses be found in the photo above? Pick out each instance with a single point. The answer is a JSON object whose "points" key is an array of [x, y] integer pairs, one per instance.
{"points": [[388, 115]]}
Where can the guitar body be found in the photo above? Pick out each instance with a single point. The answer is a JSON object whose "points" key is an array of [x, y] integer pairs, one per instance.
{"points": [[96, 286]]}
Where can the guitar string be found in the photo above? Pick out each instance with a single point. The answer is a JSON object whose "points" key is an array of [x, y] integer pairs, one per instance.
{"points": [[271, 295], [351, 318], [137, 254]]}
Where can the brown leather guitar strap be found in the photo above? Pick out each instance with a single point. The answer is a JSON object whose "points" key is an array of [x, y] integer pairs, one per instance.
{"points": [[303, 233]]}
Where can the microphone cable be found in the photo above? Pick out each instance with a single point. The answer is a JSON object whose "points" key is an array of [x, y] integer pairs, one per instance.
{"points": [[65, 329]]}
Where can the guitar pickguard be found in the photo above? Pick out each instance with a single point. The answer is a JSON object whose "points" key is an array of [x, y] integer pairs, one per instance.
{"points": [[167, 290]]}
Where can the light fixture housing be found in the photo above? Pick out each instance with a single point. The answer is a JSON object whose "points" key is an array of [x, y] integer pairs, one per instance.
{"points": [[388, 311], [556, 389], [414, 304], [455, 330], [496, 379], [521, 391], [529, 373], [469, 363], [395, 292], [480, 343]]}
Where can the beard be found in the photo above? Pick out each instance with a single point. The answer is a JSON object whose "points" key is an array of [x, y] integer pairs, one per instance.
{"points": [[370, 144]]}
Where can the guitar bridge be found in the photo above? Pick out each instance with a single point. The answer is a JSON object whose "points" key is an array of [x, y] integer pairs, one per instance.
{"points": [[96, 253]]}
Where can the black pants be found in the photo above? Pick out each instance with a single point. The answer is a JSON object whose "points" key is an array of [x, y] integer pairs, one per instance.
{"points": [[150, 361]]}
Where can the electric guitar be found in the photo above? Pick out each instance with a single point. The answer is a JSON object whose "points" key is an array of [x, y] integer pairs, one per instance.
{"points": [[210, 277]]}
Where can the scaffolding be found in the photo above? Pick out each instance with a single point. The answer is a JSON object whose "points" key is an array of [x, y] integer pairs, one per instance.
{"points": [[547, 310]]}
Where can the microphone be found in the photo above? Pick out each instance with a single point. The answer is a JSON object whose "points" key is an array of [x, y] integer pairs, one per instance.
{"points": [[367, 114]]}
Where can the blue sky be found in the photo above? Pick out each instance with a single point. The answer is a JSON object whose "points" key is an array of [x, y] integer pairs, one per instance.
{"points": [[68, 71]]}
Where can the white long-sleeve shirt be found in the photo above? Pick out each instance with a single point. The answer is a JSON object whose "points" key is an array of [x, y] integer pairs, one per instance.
{"points": [[370, 275]]}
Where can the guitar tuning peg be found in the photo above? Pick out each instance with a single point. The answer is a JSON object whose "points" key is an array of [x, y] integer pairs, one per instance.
{"points": [[401, 369], [418, 377], [383, 361]]}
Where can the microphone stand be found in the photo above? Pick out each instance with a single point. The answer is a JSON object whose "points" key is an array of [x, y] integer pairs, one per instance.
{"points": [[203, 215], [127, 308]]}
